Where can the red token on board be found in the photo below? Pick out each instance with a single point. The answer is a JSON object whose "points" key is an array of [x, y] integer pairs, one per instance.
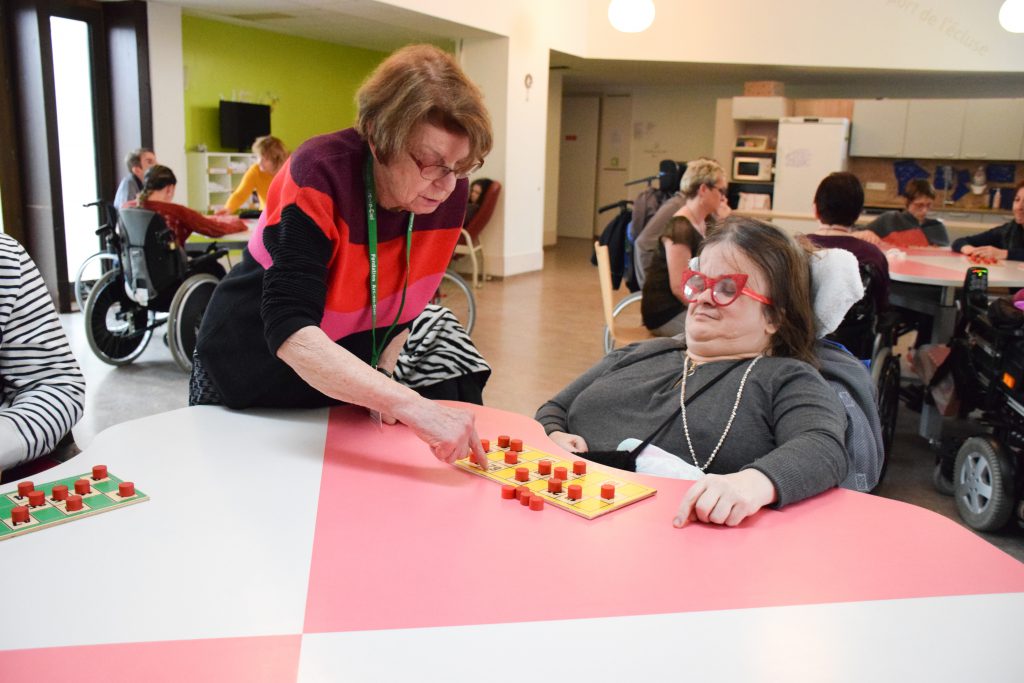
{"points": [[82, 487], [99, 472], [579, 467], [544, 467], [36, 498], [575, 491], [126, 489], [554, 485], [503, 441], [59, 492], [24, 487], [522, 474], [19, 514], [74, 503], [607, 491]]}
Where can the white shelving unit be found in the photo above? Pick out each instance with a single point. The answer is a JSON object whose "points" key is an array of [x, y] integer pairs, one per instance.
{"points": [[213, 176]]}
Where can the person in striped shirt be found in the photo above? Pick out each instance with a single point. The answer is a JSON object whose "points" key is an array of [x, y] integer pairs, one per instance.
{"points": [[42, 390]]}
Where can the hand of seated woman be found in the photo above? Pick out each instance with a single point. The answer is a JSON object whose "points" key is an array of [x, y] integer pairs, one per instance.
{"points": [[450, 432], [725, 498], [569, 442], [867, 236], [984, 254]]}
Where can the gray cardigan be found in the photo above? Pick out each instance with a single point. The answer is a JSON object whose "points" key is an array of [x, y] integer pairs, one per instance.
{"points": [[790, 425]]}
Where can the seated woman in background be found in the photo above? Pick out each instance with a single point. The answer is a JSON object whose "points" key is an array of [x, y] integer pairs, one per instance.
{"points": [[158, 187], [477, 190], [663, 306], [1002, 242], [919, 197], [270, 156], [767, 430], [838, 202]]}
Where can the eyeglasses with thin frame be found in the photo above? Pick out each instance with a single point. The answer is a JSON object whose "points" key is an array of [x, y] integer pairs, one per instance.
{"points": [[437, 171], [724, 289], [721, 190]]}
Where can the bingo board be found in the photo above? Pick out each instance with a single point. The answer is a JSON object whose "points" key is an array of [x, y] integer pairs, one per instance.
{"points": [[599, 491], [31, 508]]}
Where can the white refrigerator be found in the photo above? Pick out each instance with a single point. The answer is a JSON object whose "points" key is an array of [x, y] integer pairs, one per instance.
{"points": [[808, 149]]}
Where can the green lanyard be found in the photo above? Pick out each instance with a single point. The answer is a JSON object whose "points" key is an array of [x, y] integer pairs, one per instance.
{"points": [[371, 226]]}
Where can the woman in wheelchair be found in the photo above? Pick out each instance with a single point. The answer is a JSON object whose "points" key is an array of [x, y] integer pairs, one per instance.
{"points": [[158, 185], [769, 430]]}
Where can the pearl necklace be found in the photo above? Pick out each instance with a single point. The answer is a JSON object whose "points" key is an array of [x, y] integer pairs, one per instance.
{"points": [[732, 415]]}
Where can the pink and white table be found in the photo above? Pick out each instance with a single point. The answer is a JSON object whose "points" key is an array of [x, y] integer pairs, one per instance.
{"points": [[311, 546]]}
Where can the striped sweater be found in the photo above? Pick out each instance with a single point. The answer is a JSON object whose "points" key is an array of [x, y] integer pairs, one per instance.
{"points": [[307, 263], [42, 390]]}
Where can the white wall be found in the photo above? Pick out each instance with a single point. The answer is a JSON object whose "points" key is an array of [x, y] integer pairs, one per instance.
{"points": [[551, 163], [167, 85]]}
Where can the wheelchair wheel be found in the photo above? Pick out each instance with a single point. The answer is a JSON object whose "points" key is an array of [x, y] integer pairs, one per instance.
{"points": [[454, 294], [116, 327], [888, 385], [185, 315], [983, 484], [89, 273], [625, 316]]}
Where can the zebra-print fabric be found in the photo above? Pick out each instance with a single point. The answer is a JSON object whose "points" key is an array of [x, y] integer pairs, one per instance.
{"points": [[437, 349], [42, 390]]}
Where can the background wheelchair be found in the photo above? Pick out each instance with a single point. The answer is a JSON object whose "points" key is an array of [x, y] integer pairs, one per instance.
{"points": [[154, 282], [987, 362]]}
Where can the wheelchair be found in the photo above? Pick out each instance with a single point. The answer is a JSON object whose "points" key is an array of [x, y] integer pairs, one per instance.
{"points": [[155, 281], [870, 335], [986, 359]]}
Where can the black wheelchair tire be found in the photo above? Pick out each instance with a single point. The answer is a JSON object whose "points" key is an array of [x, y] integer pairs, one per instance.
{"points": [[983, 484], [185, 315], [123, 341]]}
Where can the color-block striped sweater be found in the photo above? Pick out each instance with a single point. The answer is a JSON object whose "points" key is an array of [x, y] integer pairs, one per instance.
{"points": [[307, 263], [42, 390]]}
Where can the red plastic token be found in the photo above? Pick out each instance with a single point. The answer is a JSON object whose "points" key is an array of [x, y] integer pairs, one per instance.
{"points": [[503, 441], [74, 503], [579, 467], [522, 491], [575, 491], [82, 487], [99, 472], [554, 485], [60, 492], [19, 514], [511, 457], [544, 467], [516, 445], [525, 499], [126, 489], [561, 473], [36, 498], [536, 503], [485, 444], [522, 474], [508, 492], [608, 491], [24, 487]]}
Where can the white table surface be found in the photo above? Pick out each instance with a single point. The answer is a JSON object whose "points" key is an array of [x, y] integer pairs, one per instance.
{"points": [[222, 550]]}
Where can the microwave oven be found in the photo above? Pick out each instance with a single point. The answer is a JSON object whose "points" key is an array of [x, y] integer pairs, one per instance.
{"points": [[752, 168]]}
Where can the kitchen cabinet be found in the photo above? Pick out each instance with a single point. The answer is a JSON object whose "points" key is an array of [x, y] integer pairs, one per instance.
{"points": [[761, 108], [934, 129], [213, 176], [878, 128], [993, 129]]}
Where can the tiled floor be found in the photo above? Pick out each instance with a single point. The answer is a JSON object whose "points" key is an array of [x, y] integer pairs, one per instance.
{"points": [[539, 331]]}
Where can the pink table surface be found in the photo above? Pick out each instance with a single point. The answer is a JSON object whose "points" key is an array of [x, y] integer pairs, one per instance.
{"points": [[941, 267], [403, 541]]}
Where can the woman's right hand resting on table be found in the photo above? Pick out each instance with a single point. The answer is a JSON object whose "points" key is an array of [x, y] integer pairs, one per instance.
{"points": [[569, 442]]}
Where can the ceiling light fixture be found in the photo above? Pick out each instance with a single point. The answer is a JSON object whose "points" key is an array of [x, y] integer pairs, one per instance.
{"points": [[632, 16], [1011, 16]]}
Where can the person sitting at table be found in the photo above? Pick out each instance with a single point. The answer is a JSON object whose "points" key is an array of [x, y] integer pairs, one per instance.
{"points": [[1004, 242], [359, 227], [42, 390], [919, 196], [270, 155], [137, 162], [769, 430], [663, 306], [838, 202]]}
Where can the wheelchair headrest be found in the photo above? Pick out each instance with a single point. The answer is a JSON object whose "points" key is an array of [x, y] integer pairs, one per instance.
{"points": [[670, 173]]}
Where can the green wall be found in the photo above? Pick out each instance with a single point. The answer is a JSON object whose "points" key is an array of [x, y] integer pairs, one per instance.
{"points": [[312, 83]]}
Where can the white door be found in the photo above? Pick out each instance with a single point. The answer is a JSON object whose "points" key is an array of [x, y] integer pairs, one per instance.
{"points": [[613, 156], [577, 174], [807, 151]]}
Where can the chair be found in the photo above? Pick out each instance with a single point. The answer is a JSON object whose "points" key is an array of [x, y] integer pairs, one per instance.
{"points": [[469, 241], [616, 334]]}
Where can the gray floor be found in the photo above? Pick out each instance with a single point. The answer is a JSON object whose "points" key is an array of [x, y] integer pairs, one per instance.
{"points": [[154, 384]]}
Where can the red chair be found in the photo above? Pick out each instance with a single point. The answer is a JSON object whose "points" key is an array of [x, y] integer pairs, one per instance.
{"points": [[469, 242]]}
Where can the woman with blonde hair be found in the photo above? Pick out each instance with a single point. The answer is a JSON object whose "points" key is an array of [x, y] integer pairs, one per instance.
{"points": [[663, 307], [270, 157], [358, 229]]}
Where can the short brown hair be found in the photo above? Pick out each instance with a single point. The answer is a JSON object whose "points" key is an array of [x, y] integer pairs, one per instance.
{"points": [[270, 148], [839, 199], [421, 84], [702, 171], [786, 266], [918, 187]]}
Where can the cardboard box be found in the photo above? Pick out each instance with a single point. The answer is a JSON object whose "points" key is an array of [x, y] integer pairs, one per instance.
{"points": [[764, 89]]}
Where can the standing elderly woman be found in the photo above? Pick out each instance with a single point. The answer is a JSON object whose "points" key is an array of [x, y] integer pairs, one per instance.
{"points": [[759, 426], [663, 306], [359, 227], [270, 157]]}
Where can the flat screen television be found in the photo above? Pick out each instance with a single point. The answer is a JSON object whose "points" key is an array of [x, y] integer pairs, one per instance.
{"points": [[241, 123]]}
